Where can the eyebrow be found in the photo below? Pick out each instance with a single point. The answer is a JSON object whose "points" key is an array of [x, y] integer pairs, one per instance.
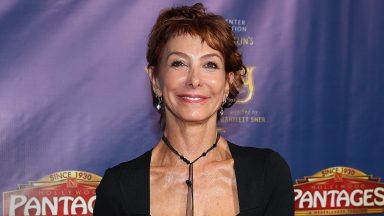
{"points": [[186, 56]]}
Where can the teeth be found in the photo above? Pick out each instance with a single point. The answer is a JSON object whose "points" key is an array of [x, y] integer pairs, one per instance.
{"points": [[191, 98]]}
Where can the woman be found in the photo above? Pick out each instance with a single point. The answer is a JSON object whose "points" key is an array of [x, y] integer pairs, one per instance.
{"points": [[195, 72]]}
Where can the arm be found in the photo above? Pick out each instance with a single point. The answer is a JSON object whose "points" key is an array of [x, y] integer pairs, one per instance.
{"points": [[278, 180]]}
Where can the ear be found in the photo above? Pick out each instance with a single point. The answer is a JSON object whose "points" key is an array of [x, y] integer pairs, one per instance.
{"points": [[228, 82], [151, 70]]}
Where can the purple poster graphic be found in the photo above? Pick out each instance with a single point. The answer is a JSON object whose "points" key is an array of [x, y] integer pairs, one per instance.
{"points": [[74, 95]]}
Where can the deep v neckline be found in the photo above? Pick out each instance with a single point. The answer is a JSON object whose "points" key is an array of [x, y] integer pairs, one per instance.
{"points": [[239, 178]]}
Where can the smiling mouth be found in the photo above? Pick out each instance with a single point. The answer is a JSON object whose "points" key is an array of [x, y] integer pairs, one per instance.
{"points": [[192, 99]]}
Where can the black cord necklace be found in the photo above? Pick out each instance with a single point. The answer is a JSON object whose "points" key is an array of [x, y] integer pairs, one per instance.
{"points": [[189, 181]]}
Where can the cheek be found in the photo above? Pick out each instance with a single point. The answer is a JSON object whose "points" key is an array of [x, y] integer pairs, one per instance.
{"points": [[218, 85], [172, 80]]}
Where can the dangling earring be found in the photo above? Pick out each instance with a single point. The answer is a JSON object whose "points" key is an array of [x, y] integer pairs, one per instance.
{"points": [[159, 102], [221, 108]]}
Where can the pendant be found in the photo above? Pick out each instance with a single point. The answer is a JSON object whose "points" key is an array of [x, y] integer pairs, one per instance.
{"points": [[189, 183]]}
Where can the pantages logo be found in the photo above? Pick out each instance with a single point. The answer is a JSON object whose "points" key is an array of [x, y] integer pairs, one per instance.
{"points": [[60, 193], [339, 191]]}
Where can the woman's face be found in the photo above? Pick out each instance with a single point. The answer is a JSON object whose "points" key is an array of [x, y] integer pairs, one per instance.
{"points": [[192, 79]]}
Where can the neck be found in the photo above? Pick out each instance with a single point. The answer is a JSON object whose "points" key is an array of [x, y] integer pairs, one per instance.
{"points": [[190, 139]]}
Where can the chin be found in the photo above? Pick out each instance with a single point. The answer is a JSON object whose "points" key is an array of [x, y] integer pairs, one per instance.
{"points": [[197, 118], [194, 115]]}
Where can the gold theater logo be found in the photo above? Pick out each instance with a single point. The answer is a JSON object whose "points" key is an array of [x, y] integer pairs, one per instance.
{"points": [[339, 191], [247, 92], [60, 193]]}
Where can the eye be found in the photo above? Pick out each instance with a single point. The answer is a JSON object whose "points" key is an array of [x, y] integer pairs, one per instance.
{"points": [[178, 64], [211, 65]]}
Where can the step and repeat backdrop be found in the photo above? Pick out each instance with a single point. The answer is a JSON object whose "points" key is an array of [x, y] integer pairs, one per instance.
{"points": [[75, 98]]}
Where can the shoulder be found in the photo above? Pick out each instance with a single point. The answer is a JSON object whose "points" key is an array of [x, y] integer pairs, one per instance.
{"points": [[127, 176], [246, 151], [262, 162], [135, 166], [124, 183], [253, 155], [130, 170], [264, 179]]}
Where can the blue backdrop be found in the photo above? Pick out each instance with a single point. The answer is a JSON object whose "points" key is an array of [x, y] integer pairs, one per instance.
{"points": [[74, 94]]}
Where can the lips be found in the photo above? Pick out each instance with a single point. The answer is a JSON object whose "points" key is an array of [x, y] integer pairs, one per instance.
{"points": [[189, 98]]}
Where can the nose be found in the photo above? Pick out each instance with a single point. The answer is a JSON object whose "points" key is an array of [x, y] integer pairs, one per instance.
{"points": [[193, 79]]}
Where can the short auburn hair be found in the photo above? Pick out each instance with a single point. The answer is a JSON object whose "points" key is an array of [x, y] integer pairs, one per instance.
{"points": [[211, 28]]}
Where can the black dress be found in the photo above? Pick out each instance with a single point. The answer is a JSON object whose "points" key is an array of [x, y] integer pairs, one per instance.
{"points": [[263, 180]]}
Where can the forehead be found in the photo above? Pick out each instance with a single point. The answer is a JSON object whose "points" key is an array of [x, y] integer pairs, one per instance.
{"points": [[191, 45]]}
